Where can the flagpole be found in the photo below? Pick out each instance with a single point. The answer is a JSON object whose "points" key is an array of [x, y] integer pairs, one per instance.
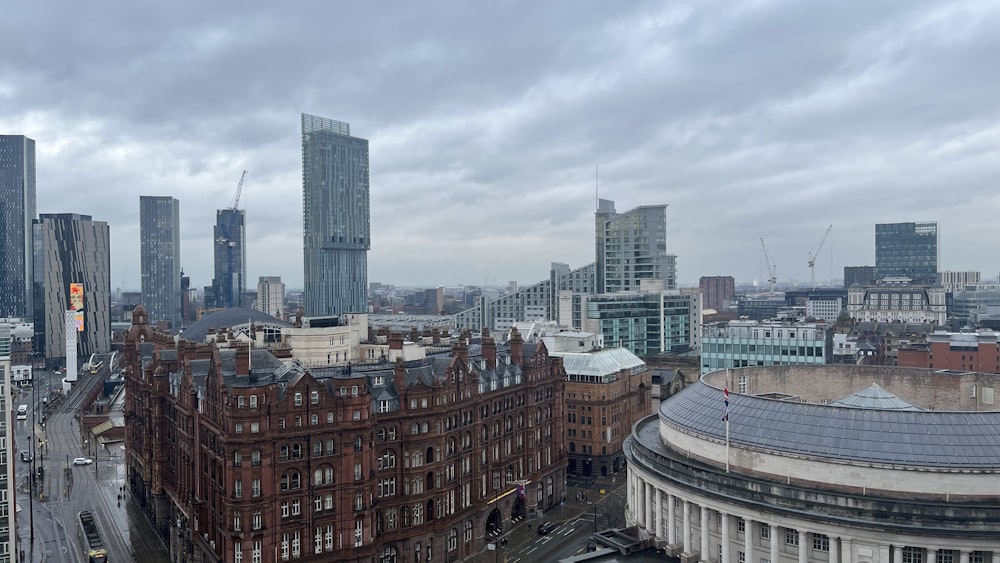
{"points": [[727, 445]]}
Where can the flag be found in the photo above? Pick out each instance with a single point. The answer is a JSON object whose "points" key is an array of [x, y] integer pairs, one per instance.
{"points": [[725, 394]]}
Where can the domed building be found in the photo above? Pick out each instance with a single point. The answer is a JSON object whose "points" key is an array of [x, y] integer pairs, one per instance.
{"points": [[852, 464]]}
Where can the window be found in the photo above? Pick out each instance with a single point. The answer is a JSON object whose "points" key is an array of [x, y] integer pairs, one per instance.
{"points": [[913, 555], [296, 451], [237, 521], [298, 399], [238, 488], [359, 533], [253, 401], [314, 419], [387, 460], [254, 427], [238, 428], [255, 458], [354, 390], [452, 539], [329, 417], [359, 501], [296, 507], [741, 526], [357, 444], [237, 552], [255, 553], [791, 537], [258, 519], [284, 509], [255, 488], [822, 543], [765, 531], [284, 547], [239, 401], [317, 448], [237, 459], [946, 556], [314, 398], [357, 471], [329, 446], [318, 541]]}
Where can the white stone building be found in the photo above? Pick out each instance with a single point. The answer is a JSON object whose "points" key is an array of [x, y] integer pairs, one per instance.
{"points": [[897, 301]]}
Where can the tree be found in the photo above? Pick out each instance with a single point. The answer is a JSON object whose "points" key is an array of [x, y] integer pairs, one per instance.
{"points": [[612, 511]]}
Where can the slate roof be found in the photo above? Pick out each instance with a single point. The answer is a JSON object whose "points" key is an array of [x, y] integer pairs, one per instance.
{"points": [[227, 318], [875, 397]]}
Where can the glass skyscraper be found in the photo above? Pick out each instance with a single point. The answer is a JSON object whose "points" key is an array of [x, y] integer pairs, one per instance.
{"points": [[908, 250], [71, 248], [160, 255], [632, 246], [335, 216], [17, 211], [230, 258]]}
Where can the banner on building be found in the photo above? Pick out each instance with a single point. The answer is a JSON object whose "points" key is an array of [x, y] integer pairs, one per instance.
{"points": [[76, 296], [78, 318]]}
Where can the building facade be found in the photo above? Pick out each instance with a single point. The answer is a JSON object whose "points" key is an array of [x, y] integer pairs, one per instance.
{"points": [[271, 296], [864, 275], [761, 487], [907, 250], [230, 258], [898, 301], [335, 212], [17, 211], [9, 544], [646, 322], [238, 459], [738, 344], [160, 256], [718, 292], [72, 249], [953, 282], [632, 246], [959, 351]]}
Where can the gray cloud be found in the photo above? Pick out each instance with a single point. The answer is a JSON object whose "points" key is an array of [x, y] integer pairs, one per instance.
{"points": [[770, 119]]}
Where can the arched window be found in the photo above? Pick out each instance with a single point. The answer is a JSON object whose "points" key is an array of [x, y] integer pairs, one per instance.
{"points": [[387, 460], [415, 429], [572, 446], [327, 475], [430, 481], [296, 451], [318, 477], [317, 448], [429, 457], [358, 442], [255, 458], [381, 434], [330, 446], [284, 453]]}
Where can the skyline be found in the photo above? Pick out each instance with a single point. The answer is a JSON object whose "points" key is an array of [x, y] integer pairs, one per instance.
{"points": [[486, 123]]}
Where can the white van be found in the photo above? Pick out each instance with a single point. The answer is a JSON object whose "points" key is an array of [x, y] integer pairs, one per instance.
{"points": [[22, 412]]}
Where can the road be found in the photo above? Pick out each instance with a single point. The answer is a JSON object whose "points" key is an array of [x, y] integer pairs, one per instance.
{"points": [[66, 489]]}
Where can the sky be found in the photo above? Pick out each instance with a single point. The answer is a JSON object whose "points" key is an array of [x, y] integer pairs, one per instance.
{"points": [[487, 122]]}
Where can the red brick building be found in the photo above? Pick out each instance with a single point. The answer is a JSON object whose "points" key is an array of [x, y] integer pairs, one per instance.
{"points": [[977, 351], [240, 457]]}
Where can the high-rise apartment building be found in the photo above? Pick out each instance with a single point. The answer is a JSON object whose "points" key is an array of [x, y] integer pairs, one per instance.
{"points": [[719, 292], [959, 281], [8, 484], [632, 246], [160, 254], [17, 211], [864, 275], [271, 296], [907, 250], [72, 249], [230, 258], [335, 213]]}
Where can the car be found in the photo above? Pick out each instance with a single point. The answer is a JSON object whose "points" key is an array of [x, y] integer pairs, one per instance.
{"points": [[546, 527], [82, 461], [26, 456]]}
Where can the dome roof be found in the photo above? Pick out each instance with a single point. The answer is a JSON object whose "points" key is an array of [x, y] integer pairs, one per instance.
{"points": [[228, 318], [875, 397]]}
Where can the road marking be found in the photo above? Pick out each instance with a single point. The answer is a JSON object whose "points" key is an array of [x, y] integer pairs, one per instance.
{"points": [[567, 532], [530, 550]]}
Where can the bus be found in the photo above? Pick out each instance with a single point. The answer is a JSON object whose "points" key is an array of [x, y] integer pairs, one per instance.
{"points": [[93, 545]]}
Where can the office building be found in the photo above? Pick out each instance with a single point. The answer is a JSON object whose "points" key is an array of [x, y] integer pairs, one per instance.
{"points": [[17, 211], [230, 253], [897, 301], [335, 211], [160, 256], [863, 275], [718, 292], [72, 271], [957, 351], [430, 458], [271, 296], [953, 282], [739, 344], [821, 464], [9, 541], [907, 250], [632, 246]]}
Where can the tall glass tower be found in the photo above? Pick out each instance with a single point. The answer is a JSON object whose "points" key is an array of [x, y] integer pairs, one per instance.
{"points": [[632, 246], [17, 211], [230, 257], [335, 217], [908, 250], [72, 249], [160, 256]]}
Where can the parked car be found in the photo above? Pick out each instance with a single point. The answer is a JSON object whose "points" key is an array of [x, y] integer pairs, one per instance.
{"points": [[546, 527], [82, 461], [26, 456]]}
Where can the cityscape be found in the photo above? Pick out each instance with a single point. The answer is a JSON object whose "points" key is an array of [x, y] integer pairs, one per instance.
{"points": [[409, 328]]}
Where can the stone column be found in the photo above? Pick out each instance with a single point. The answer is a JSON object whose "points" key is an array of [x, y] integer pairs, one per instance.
{"points": [[931, 555], [775, 532], [661, 531], [704, 534], [640, 509], [897, 554], [650, 504], [845, 550], [671, 521], [963, 556], [725, 536], [996, 556], [748, 541], [803, 551], [834, 550], [687, 527]]}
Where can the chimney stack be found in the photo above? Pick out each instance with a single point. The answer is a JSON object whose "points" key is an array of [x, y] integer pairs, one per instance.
{"points": [[489, 350], [516, 347], [396, 341]]}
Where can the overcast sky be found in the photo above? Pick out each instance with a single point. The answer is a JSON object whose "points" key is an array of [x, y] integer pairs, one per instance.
{"points": [[486, 121]]}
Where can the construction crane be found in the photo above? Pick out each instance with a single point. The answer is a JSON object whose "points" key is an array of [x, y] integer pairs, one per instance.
{"points": [[772, 276], [814, 253], [239, 191]]}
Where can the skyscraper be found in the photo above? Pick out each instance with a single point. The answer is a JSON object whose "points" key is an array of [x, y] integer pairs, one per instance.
{"points": [[719, 292], [160, 255], [632, 246], [864, 275], [907, 250], [72, 249], [335, 215], [230, 258], [17, 211], [271, 296]]}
